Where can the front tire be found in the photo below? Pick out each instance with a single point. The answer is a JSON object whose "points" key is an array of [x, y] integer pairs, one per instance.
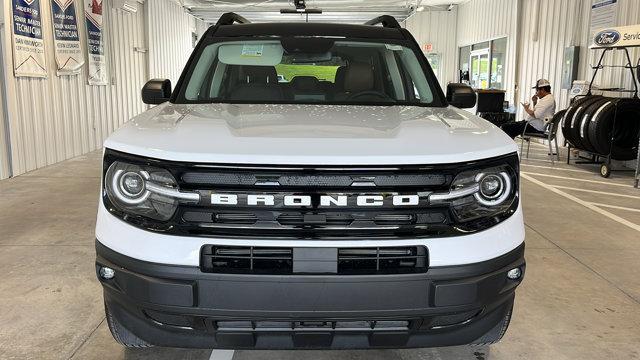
{"points": [[496, 333], [121, 334]]}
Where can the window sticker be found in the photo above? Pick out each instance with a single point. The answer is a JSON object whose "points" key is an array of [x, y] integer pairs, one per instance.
{"points": [[252, 50], [393, 47]]}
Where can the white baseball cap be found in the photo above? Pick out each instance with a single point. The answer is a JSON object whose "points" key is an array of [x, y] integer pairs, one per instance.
{"points": [[541, 83]]}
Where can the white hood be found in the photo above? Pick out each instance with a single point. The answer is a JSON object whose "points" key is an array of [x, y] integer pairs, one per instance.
{"points": [[310, 135]]}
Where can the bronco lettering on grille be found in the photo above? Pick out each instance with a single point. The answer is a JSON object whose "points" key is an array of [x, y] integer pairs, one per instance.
{"points": [[306, 200]]}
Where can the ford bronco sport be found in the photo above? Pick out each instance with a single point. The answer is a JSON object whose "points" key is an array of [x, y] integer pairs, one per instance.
{"points": [[351, 206]]}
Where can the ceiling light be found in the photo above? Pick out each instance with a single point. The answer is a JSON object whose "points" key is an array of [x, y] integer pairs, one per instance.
{"points": [[420, 8]]}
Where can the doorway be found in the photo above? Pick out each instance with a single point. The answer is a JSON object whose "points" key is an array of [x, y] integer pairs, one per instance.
{"points": [[479, 69]]}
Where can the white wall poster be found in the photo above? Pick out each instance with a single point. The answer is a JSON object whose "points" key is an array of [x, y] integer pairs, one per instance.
{"points": [[95, 43], [603, 14], [28, 46], [66, 39]]}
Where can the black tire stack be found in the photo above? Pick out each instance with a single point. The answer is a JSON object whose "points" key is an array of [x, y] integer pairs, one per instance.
{"points": [[588, 125]]}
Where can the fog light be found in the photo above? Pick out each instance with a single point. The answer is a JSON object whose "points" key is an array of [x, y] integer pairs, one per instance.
{"points": [[107, 273], [514, 274]]}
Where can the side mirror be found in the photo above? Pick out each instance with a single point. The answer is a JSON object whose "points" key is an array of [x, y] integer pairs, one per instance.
{"points": [[461, 95], [156, 91]]}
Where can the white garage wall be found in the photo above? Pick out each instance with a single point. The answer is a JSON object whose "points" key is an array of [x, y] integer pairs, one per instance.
{"points": [[59, 118], [5, 170], [170, 39], [552, 26], [483, 20], [628, 14], [563, 23], [537, 42], [439, 29]]}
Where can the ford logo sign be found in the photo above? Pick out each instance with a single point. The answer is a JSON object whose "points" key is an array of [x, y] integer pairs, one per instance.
{"points": [[607, 37]]}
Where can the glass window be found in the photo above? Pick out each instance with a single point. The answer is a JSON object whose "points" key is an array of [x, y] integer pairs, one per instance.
{"points": [[463, 64], [482, 45], [498, 60], [482, 65], [329, 71], [434, 62]]}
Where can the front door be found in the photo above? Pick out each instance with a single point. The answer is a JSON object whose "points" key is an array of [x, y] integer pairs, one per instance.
{"points": [[479, 72]]}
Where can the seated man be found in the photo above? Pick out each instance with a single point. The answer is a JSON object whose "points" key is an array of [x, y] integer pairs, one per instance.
{"points": [[544, 106]]}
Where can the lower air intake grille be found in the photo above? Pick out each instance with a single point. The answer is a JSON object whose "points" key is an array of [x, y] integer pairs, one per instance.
{"points": [[276, 260], [385, 260], [246, 260]]}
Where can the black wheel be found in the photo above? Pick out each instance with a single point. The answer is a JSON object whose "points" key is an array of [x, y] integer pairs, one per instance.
{"points": [[625, 134], [121, 334], [605, 170], [495, 335], [577, 119], [568, 118], [587, 115]]}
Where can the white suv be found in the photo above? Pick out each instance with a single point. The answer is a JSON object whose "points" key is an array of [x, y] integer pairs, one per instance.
{"points": [[351, 207]]}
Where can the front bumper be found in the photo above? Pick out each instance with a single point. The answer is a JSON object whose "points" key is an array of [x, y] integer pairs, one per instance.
{"points": [[180, 306]]}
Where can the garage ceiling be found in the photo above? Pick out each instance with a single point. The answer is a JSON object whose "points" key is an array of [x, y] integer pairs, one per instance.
{"points": [[347, 11]]}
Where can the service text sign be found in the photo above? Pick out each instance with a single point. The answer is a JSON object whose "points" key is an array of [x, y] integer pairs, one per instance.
{"points": [[617, 37]]}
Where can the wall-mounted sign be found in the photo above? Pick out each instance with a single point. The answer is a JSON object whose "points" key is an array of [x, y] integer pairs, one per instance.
{"points": [[621, 36], [603, 14], [95, 43], [427, 47], [28, 46], [66, 39]]}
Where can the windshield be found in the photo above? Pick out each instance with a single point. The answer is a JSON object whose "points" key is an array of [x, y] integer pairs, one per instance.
{"points": [[307, 70]]}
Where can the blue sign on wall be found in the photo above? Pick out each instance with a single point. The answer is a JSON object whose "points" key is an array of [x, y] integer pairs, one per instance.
{"points": [[66, 38], [28, 46]]}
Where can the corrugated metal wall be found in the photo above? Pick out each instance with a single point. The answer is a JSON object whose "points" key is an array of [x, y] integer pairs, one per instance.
{"points": [[5, 170], [59, 118], [563, 23], [628, 14], [557, 25], [537, 41], [170, 39], [439, 29], [482, 20]]}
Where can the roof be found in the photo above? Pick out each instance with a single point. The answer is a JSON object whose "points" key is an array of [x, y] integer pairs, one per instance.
{"points": [[307, 29]]}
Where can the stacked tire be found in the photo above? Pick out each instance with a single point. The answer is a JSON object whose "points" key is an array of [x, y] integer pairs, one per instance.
{"points": [[589, 125]]}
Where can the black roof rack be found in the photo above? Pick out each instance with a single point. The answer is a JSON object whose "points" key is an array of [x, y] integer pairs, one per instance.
{"points": [[230, 18], [387, 21]]}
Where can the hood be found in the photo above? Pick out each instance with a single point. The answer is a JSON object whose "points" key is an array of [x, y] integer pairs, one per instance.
{"points": [[310, 135]]}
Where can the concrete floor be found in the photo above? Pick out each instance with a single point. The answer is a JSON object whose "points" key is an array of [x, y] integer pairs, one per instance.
{"points": [[580, 299]]}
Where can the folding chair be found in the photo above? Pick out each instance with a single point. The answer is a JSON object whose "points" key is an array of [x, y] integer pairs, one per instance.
{"points": [[550, 134]]}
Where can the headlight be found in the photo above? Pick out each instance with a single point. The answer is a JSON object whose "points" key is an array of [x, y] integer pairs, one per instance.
{"points": [[480, 193], [144, 190]]}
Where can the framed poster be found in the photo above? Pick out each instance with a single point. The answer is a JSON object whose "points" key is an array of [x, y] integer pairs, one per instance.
{"points": [[28, 45], [66, 39], [95, 43]]}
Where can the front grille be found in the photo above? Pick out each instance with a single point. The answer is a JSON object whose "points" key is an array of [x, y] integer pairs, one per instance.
{"points": [[271, 178], [331, 209], [280, 260], [302, 326], [313, 220]]}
